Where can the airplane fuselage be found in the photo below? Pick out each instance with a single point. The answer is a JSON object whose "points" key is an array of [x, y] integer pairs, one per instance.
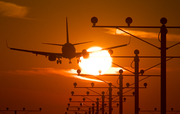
{"points": [[68, 51]]}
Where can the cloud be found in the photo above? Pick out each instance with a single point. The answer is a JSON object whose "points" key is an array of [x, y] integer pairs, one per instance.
{"points": [[72, 73], [143, 34], [41, 71], [12, 10], [62, 72]]}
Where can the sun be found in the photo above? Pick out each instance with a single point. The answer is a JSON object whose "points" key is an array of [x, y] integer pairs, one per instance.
{"points": [[97, 63]]}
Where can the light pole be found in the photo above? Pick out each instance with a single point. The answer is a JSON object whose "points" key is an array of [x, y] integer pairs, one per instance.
{"points": [[110, 98], [163, 49], [136, 59], [120, 92], [103, 97], [163, 31]]}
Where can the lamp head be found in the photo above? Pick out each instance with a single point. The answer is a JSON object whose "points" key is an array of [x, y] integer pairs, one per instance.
{"points": [[127, 84], [94, 20], [128, 21], [68, 104], [72, 92], [84, 99], [78, 71], [145, 85], [92, 84], [124, 99], [75, 84], [120, 71], [87, 92], [142, 72], [70, 99]]}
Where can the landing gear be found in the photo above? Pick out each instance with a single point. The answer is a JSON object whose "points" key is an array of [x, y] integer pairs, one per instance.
{"points": [[70, 61], [59, 61], [78, 61]]}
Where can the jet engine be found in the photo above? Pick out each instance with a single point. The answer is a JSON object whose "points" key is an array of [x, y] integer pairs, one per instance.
{"points": [[52, 58], [110, 52], [85, 54]]}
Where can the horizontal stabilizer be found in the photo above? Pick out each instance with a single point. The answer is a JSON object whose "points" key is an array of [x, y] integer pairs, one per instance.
{"points": [[114, 47], [117, 46], [53, 44], [82, 43]]}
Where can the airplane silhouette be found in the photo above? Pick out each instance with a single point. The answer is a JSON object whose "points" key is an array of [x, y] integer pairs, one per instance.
{"points": [[68, 50]]}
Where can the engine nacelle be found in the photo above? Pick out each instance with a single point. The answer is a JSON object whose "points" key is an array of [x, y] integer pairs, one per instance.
{"points": [[52, 58], [85, 54], [110, 52]]}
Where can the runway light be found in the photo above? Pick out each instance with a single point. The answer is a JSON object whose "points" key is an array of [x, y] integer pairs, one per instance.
{"points": [[124, 99], [117, 105], [127, 84], [142, 72], [72, 92], [84, 99], [92, 84], [133, 93], [128, 21], [79, 71], [103, 92], [87, 92], [94, 20], [120, 71], [68, 104], [80, 104], [145, 85], [75, 84], [118, 92], [70, 99]]}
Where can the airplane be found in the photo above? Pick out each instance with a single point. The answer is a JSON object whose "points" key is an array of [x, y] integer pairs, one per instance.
{"points": [[68, 50]]}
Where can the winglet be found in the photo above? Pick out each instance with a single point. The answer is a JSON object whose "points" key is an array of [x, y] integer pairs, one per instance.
{"points": [[7, 45], [129, 41]]}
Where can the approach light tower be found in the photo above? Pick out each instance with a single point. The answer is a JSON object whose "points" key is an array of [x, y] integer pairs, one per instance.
{"points": [[23, 110], [163, 48]]}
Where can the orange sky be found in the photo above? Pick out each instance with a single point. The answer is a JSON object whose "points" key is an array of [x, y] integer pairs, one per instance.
{"points": [[32, 81]]}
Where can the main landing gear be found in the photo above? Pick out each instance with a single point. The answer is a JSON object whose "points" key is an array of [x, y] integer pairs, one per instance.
{"points": [[70, 61], [59, 61], [78, 60]]}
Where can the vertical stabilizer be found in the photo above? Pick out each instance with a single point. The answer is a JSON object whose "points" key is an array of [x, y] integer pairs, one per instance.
{"points": [[67, 30]]}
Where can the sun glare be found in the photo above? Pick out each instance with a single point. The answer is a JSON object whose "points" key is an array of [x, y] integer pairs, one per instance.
{"points": [[97, 63], [119, 32]]}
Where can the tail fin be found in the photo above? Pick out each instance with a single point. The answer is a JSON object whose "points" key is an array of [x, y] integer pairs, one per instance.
{"points": [[67, 30], [53, 44]]}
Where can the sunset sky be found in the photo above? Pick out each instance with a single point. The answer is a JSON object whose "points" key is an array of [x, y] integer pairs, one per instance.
{"points": [[34, 82]]}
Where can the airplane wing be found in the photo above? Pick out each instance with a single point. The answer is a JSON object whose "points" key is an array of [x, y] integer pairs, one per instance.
{"points": [[85, 54], [57, 55], [114, 47], [82, 43]]}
